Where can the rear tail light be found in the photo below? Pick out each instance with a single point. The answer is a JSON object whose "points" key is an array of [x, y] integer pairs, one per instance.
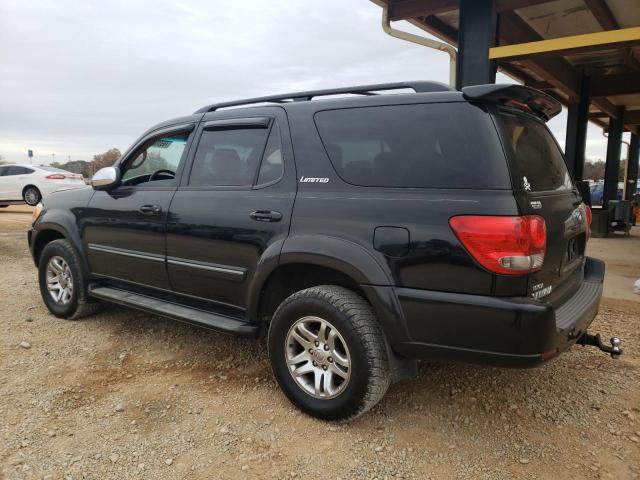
{"points": [[55, 176], [505, 245], [588, 217]]}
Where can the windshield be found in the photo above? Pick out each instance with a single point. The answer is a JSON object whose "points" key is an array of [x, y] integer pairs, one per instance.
{"points": [[539, 162]]}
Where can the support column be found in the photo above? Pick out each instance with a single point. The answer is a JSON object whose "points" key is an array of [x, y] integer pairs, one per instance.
{"points": [[576, 140], [631, 182], [614, 146], [476, 35]]}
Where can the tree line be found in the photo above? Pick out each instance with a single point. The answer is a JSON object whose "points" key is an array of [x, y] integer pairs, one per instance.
{"points": [[87, 169]]}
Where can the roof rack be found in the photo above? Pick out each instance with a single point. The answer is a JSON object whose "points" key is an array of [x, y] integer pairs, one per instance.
{"points": [[418, 87]]}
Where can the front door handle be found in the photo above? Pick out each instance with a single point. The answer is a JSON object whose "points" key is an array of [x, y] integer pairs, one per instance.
{"points": [[150, 209], [266, 216]]}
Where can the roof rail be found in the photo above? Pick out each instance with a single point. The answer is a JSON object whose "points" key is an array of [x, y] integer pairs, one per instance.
{"points": [[418, 87]]}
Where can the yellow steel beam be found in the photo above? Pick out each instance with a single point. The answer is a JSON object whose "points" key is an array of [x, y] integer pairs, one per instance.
{"points": [[567, 45]]}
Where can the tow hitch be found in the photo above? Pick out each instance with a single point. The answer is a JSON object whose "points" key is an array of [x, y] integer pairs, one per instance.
{"points": [[614, 350]]}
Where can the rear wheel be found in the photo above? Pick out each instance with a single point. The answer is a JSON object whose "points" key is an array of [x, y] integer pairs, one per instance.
{"points": [[328, 353], [31, 195], [62, 283]]}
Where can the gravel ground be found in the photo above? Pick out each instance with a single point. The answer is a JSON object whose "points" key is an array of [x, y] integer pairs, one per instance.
{"points": [[124, 395]]}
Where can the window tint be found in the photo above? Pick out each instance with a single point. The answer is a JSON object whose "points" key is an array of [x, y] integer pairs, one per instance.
{"points": [[3, 171], [156, 162], [228, 157], [444, 145], [538, 159], [16, 170], [272, 167]]}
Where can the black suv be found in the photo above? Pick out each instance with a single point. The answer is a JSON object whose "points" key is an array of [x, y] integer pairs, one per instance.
{"points": [[358, 232]]}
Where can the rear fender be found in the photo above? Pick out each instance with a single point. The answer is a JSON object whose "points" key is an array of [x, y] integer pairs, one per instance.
{"points": [[343, 256]]}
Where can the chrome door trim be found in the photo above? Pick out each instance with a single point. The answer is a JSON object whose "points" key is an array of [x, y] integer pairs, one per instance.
{"points": [[212, 267], [126, 253]]}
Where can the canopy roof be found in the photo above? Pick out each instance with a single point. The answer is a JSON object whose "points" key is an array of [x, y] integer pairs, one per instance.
{"points": [[598, 38]]}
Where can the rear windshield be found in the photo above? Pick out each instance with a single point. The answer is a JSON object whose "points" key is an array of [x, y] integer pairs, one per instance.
{"points": [[539, 161], [439, 145]]}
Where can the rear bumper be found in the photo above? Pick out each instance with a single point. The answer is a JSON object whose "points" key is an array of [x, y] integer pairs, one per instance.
{"points": [[516, 332]]}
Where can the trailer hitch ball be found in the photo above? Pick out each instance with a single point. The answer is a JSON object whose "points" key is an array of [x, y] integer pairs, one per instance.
{"points": [[595, 340], [615, 347]]}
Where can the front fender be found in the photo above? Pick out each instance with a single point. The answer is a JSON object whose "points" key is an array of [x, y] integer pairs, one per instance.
{"points": [[63, 222]]}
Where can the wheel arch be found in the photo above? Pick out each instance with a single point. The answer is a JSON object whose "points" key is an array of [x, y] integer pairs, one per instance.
{"points": [[46, 232], [311, 260]]}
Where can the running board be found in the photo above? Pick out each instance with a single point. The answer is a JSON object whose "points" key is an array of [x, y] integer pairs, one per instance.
{"points": [[194, 316]]}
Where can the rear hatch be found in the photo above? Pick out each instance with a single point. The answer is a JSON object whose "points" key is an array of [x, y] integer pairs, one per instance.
{"points": [[543, 186]]}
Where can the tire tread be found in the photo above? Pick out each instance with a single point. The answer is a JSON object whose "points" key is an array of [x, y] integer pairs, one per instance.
{"points": [[366, 326], [86, 306]]}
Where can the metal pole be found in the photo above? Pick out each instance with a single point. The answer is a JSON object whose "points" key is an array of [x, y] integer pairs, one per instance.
{"points": [[576, 140], [631, 180], [614, 147], [476, 36], [426, 42]]}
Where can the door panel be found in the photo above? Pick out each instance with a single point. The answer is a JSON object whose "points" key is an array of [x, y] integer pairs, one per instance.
{"points": [[216, 234], [213, 244], [124, 243], [4, 183], [125, 229]]}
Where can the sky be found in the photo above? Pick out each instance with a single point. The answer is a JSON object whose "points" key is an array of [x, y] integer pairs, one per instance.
{"points": [[79, 78]]}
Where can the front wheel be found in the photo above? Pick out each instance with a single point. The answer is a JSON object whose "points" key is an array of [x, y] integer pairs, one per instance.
{"points": [[328, 353], [31, 196], [62, 283]]}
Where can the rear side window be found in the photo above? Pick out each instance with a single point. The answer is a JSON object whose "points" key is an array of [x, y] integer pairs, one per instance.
{"points": [[272, 167], [440, 145], [535, 153], [231, 157], [18, 171]]}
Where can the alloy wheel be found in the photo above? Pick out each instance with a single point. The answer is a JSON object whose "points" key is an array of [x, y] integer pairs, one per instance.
{"points": [[59, 280], [318, 357]]}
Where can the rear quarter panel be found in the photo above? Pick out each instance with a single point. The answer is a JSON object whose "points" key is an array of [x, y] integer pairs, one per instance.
{"points": [[435, 259]]}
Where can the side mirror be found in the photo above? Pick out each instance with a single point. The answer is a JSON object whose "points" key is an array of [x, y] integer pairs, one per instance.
{"points": [[106, 178]]}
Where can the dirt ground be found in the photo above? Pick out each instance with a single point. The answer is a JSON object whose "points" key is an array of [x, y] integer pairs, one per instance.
{"points": [[127, 395]]}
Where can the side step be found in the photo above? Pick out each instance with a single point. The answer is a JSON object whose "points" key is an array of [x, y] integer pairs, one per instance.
{"points": [[181, 313]]}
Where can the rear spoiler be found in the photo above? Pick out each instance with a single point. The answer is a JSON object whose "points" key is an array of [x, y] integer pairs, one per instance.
{"points": [[524, 98]]}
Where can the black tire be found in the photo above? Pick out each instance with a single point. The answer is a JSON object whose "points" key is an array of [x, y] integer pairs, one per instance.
{"points": [[31, 195], [80, 304], [355, 321]]}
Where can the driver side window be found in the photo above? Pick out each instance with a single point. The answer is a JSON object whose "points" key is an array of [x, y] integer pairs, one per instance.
{"points": [[156, 163]]}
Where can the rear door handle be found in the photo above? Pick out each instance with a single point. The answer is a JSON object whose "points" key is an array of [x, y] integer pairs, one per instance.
{"points": [[150, 209], [266, 216]]}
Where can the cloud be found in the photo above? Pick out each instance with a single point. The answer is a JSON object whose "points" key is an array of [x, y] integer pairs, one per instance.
{"points": [[81, 77]]}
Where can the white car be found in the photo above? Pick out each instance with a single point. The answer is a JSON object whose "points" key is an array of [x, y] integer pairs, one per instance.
{"points": [[29, 183]]}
